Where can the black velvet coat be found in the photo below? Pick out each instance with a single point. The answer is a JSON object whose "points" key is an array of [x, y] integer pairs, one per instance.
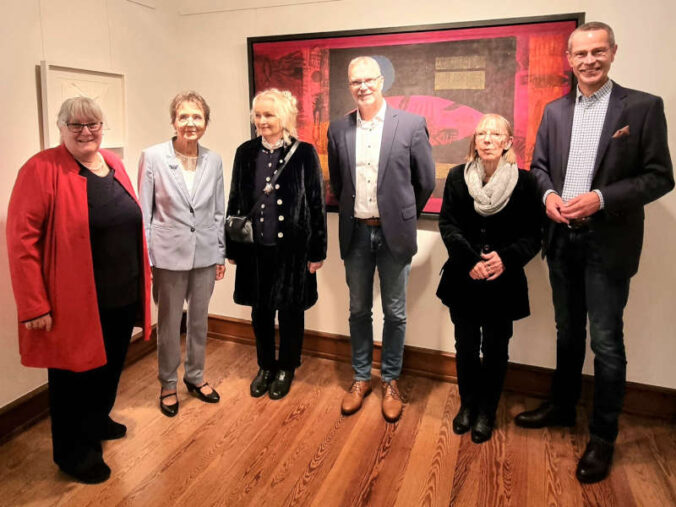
{"points": [[303, 228], [514, 233]]}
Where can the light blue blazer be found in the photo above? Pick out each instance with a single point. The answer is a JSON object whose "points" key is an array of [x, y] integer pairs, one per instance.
{"points": [[184, 230]]}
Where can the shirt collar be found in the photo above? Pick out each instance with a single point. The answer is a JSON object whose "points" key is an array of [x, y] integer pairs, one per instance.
{"points": [[598, 94], [378, 118]]}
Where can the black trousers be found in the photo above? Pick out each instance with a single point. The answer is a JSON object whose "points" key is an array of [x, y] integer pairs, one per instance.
{"points": [[480, 381], [291, 320], [80, 402]]}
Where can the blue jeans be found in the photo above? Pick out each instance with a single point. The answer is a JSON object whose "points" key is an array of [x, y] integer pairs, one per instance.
{"points": [[581, 287], [368, 251]]}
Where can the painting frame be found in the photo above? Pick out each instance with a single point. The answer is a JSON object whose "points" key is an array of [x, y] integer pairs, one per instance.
{"points": [[108, 89], [525, 46]]}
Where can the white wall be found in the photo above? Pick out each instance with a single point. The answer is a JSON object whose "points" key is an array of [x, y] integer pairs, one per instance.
{"points": [[112, 35], [161, 52], [645, 37]]}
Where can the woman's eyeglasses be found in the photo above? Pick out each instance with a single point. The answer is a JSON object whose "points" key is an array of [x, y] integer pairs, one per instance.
{"points": [[93, 127]]}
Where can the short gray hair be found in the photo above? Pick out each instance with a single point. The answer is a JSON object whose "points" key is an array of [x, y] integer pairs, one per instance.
{"points": [[189, 96], [361, 60], [285, 107], [80, 107], [591, 26]]}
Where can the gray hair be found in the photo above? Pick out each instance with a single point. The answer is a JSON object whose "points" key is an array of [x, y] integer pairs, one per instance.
{"points": [[509, 155], [591, 26], [363, 60], [80, 107], [189, 96], [285, 106]]}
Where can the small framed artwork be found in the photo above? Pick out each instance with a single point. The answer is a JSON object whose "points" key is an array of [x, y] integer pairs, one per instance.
{"points": [[451, 74], [106, 88]]}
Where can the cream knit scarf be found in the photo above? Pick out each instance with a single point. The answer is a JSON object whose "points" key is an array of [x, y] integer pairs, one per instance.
{"points": [[494, 195]]}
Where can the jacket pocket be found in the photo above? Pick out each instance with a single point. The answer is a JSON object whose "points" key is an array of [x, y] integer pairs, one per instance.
{"points": [[408, 212]]}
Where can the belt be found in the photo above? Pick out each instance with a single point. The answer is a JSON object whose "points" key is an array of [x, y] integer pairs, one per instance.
{"points": [[373, 222], [577, 224]]}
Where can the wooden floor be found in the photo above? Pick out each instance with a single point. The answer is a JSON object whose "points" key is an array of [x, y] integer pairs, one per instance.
{"points": [[301, 451]]}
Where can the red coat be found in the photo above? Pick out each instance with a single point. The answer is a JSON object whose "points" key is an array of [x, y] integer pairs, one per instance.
{"points": [[51, 266]]}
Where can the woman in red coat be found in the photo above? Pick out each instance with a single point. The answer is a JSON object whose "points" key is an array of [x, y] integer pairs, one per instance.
{"points": [[80, 275]]}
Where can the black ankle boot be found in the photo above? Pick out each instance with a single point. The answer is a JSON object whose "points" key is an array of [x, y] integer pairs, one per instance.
{"points": [[463, 420], [260, 384], [482, 429]]}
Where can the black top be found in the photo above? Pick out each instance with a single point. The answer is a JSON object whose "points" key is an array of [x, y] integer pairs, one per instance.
{"points": [[115, 225], [265, 217]]}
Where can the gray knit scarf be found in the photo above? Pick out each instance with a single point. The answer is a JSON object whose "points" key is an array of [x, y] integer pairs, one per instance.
{"points": [[494, 195]]}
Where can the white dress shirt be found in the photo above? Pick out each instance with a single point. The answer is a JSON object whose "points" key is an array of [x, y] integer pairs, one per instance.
{"points": [[368, 139]]}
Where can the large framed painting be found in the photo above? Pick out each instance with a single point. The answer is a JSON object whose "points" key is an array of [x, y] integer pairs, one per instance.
{"points": [[451, 74]]}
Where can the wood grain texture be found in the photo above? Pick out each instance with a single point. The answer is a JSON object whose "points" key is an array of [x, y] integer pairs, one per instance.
{"points": [[302, 451]]}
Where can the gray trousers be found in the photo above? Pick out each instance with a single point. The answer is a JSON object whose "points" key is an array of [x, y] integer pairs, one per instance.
{"points": [[170, 290]]}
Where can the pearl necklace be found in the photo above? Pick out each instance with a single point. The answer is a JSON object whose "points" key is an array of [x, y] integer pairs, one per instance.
{"points": [[99, 167]]}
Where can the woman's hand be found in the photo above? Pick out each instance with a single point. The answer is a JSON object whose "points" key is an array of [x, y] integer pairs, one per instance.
{"points": [[493, 264], [479, 271], [312, 267], [220, 271], [44, 322]]}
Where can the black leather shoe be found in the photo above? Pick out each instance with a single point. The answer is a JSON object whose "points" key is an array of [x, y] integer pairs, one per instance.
{"points": [[113, 430], [281, 385], [168, 410], [260, 384], [595, 462], [462, 421], [482, 429], [91, 473], [212, 397], [545, 415]]}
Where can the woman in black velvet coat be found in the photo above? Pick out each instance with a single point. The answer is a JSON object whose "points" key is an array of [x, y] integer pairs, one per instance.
{"points": [[490, 223], [276, 274]]}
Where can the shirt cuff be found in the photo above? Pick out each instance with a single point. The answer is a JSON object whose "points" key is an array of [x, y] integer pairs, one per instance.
{"points": [[544, 197], [598, 192]]}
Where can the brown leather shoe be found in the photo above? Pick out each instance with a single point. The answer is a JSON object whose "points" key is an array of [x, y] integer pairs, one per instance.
{"points": [[354, 398], [392, 404]]}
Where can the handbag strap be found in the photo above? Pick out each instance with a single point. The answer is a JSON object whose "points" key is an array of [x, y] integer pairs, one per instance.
{"points": [[274, 179]]}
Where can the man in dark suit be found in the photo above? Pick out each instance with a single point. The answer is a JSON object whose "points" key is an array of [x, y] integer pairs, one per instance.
{"points": [[601, 154], [382, 174]]}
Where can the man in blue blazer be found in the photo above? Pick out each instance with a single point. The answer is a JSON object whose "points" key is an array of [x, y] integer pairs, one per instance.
{"points": [[601, 154], [382, 173]]}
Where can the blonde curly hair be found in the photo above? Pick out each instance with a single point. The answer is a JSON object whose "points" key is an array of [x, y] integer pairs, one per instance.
{"points": [[285, 107]]}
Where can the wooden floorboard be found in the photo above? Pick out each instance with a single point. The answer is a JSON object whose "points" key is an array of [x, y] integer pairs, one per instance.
{"points": [[302, 451]]}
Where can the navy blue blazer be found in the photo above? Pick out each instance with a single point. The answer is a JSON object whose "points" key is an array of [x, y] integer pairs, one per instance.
{"points": [[632, 168], [406, 178]]}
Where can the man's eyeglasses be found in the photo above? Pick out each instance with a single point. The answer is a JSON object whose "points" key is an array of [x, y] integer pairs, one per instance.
{"points": [[370, 82], [493, 136], [93, 127]]}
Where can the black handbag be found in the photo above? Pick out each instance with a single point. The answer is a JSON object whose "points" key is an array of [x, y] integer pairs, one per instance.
{"points": [[239, 228]]}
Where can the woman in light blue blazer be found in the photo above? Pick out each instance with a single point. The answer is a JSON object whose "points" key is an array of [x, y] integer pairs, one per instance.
{"points": [[181, 194]]}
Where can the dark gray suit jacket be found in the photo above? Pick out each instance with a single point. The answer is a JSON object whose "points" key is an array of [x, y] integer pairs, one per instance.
{"points": [[632, 168], [406, 177]]}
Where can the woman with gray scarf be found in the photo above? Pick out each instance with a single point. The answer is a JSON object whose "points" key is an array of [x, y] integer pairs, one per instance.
{"points": [[490, 223]]}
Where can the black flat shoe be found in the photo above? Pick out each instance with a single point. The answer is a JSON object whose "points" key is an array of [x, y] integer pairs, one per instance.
{"points": [[168, 410], [93, 473], [212, 397], [260, 384], [546, 415], [462, 421], [482, 429], [113, 430], [281, 385], [594, 465]]}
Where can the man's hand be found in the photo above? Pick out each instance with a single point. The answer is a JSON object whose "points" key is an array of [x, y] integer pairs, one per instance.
{"points": [[553, 205], [312, 267], [44, 322], [582, 206], [220, 271]]}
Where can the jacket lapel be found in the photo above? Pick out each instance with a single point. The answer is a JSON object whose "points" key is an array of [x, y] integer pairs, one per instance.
{"points": [[389, 131], [568, 113], [615, 108], [351, 143], [199, 170], [175, 170]]}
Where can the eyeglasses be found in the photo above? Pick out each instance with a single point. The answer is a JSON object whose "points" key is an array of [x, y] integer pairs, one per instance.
{"points": [[493, 136], [93, 127], [597, 54], [190, 119], [369, 82]]}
